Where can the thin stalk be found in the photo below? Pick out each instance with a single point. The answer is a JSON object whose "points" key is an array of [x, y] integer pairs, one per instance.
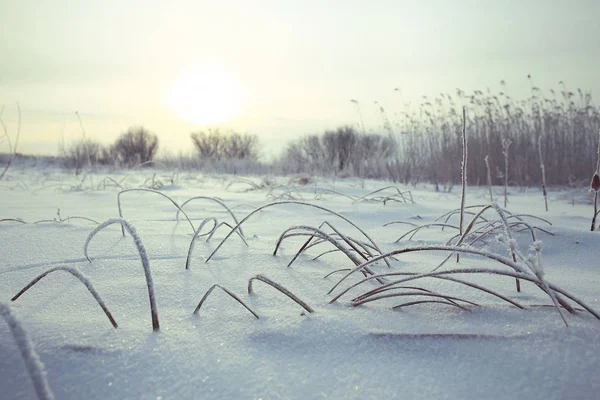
{"points": [[463, 169], [209, 291], [214, 199], [188, 260], [34, 365], [282, 289], [543, 168], [143, 256], [150, 191], [298, 203], [12, 149], [489, 177], [81, 278]]}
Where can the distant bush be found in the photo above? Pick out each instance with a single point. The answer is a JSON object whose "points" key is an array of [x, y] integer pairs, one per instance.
{"points": [[135, 146], [85, 153], [343, 150], [215, 145]]}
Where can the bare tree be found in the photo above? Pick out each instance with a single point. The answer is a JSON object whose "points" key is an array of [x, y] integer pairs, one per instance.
{"points": [[214, 145], [343, 150], [137, 145]]}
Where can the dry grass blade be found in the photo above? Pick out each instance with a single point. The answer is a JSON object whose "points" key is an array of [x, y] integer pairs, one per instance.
{"points": [[150, 191], [449, 214], [469, 284], [19, 220], [414, 231], [290, 194], [209, 291], [34, 366], [413, 303], [463, 175], [505, 146], [325, 190], [489, 177], [463, 233], [519, 275], [297, 203], [337, 271], [543, 169], [521, 272], [312, 232], [520, 217], [227, 224], [483, 289], [188, 260], [353, 243], [327, 252], [402, 222], [359, 299], [81, 278], [143, 256], [508, 235], [281, 289], [213, 199], [399, 193], [503, 260], [253, 186], [595, 184], [390, 295], [11, 149]]}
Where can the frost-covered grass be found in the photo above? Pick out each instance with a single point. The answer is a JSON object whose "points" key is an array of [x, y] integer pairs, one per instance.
{"points": [[460, 334]]}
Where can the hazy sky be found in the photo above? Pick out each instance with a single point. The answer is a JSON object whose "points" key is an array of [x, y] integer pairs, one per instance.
{"points": [[290, 66]]}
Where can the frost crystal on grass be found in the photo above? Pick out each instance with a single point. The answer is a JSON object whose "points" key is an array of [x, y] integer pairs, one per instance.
{"points": [[81, 278], [143, 256], [34, 365]]}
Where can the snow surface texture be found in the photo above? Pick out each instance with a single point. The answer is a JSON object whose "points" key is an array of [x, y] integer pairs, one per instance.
{"points": [[425, 351]]}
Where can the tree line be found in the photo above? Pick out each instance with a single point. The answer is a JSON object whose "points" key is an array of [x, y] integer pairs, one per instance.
{"points": [[559, 129]]}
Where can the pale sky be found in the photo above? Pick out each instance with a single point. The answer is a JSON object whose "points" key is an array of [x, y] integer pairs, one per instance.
{"points": [[283, 68]]}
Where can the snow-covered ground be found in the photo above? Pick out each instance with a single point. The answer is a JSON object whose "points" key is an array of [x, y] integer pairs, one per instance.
{"points": [[425, 351]]}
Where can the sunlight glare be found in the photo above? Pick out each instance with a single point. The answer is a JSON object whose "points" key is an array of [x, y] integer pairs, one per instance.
{"points": [[204, 94]]}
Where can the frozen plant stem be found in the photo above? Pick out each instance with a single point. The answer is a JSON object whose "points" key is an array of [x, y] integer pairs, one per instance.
{"points": [[82, 279], [230, 293], [85, 144], [362, 123], [543, 167], [509, 238], [150, 191], [281, 289], [12, 150], [595, 185], [30, 357], [505, 145], [489, 177], [191, 248], [143, 256], [463, 169], [297, 203]]}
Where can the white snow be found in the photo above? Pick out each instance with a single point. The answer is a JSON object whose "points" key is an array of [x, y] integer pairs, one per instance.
{"points": [[426, 351]]}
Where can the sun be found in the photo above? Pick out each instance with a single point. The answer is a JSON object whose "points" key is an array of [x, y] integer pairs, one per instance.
{"points": [[205, 94]]}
